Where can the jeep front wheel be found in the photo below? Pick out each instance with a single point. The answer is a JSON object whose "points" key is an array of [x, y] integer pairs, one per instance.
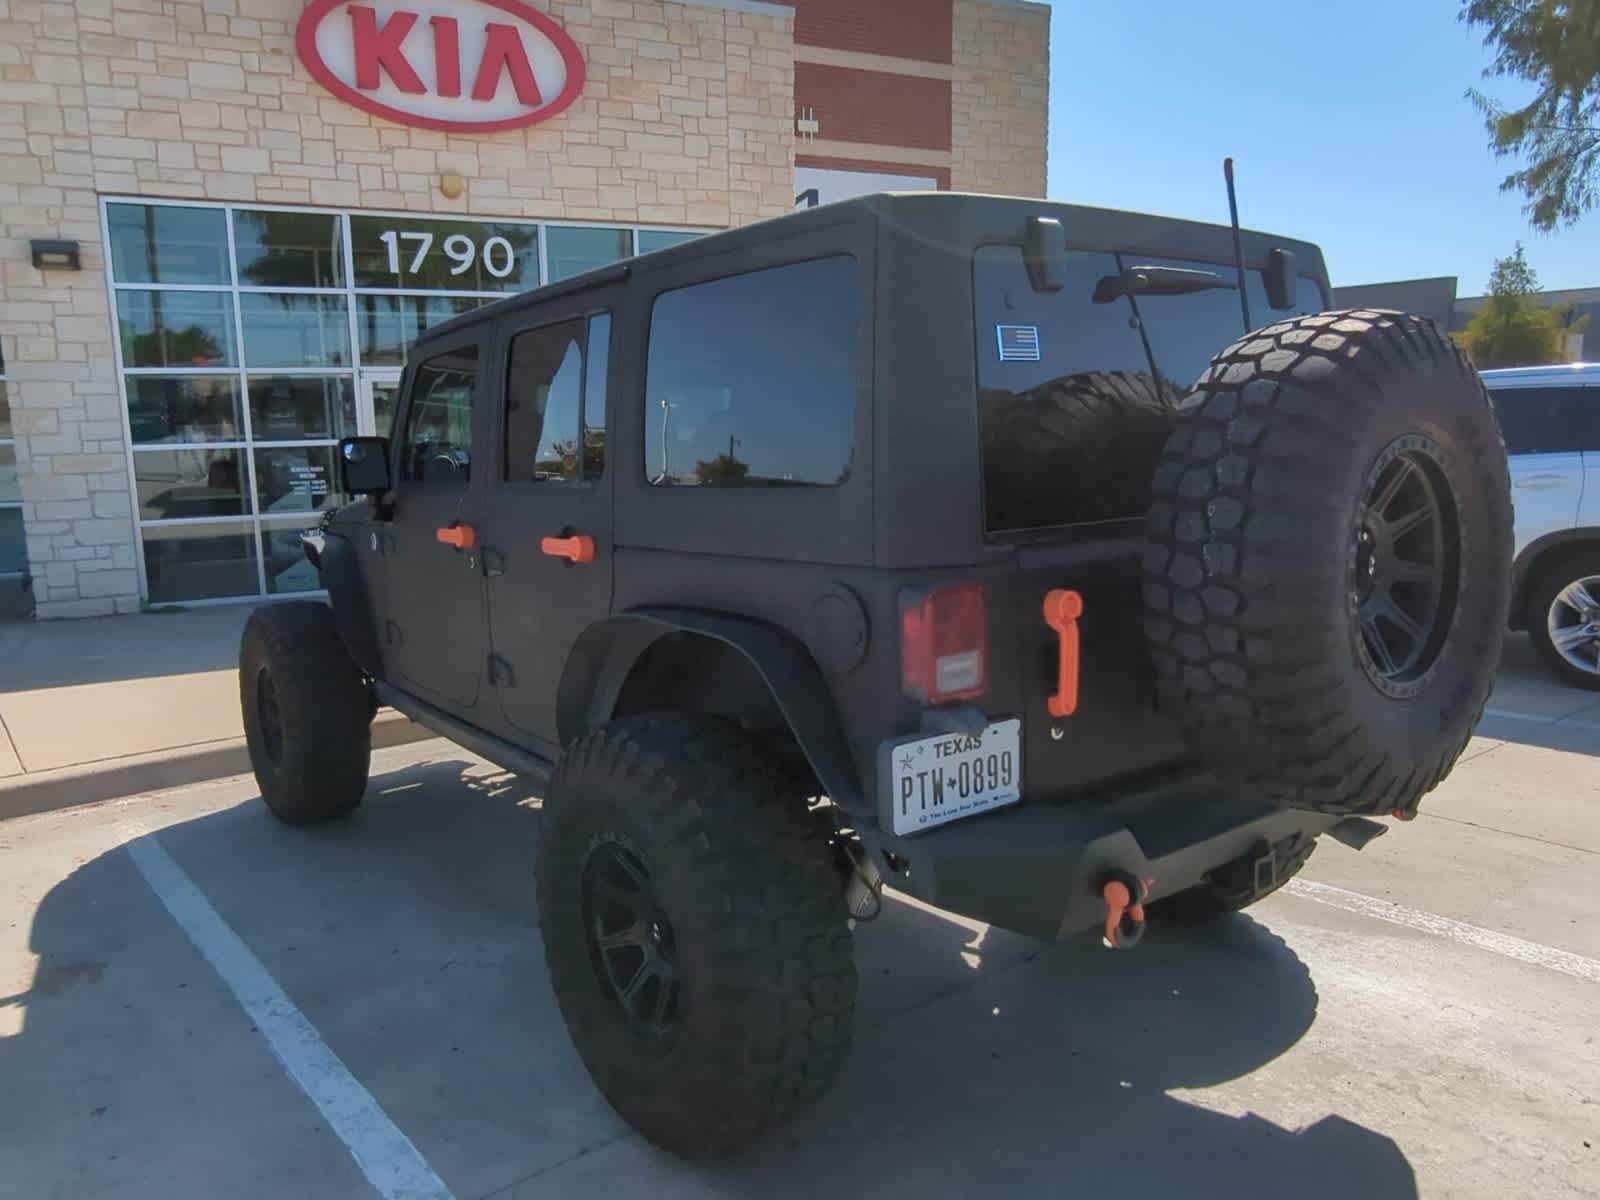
{"points": [[307, 713], [695, 931]]}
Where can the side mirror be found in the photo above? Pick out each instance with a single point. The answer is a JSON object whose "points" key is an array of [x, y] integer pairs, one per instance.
{"points": [[1282, 278], [1044, 249], [364, 466]]}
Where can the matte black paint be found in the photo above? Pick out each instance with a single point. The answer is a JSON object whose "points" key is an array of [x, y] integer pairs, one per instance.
{"points": [[750, 569]]}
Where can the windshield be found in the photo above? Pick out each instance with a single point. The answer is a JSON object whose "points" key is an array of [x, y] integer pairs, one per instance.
{"points": [[1075, 395]]}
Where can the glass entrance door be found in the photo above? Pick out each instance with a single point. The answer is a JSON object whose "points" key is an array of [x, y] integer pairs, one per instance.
{"points": [[379, 397]]}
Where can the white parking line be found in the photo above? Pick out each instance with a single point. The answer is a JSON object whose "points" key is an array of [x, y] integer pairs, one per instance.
{"points": [[385, 1156], [1503, 944]]}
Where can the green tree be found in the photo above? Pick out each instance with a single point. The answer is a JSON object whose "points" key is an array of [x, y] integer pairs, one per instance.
{"points": [[1513, 329], [1554, 45]]}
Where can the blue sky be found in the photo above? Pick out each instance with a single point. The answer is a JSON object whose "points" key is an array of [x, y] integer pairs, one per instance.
{"points": [[1347, 125]]}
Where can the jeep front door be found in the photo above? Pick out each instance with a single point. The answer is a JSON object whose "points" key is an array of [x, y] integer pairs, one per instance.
{"points": [[547, 545], [432, 611]]}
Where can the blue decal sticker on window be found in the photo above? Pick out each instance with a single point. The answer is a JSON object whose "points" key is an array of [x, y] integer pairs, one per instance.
{"points": [[1018, 343]]}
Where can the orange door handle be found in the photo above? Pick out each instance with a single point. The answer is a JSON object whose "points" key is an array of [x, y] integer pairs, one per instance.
{"points": [[1061, 612], [462, 537], [576, 549]]}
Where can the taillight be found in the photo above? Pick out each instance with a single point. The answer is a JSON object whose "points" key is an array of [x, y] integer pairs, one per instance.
{"points": [[944, 643]]}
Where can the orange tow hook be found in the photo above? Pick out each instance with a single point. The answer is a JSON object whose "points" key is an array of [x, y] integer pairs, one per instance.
{"points": [[1124, 896]]}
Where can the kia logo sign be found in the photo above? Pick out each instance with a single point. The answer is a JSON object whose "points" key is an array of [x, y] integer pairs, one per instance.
{"points": [[467, 66]]}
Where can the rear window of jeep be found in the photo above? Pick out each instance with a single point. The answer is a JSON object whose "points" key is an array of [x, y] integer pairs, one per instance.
{"points": [[751, 380]]}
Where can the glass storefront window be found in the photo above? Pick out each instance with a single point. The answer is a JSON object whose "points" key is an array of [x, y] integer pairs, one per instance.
{"points": [[184, 408], [278, 249], [176, 329], [296, 479], [185, 484], [5, 408], [288, 408], [164, 243], [424, 254], [200, 562], [572, 251], [288, 569], [387, 325], [13, 546], [10, 491], [283, 330], [660, 239]]}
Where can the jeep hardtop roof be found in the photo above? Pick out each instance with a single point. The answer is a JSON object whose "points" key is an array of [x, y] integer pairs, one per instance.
{"points": [[950, 222]]}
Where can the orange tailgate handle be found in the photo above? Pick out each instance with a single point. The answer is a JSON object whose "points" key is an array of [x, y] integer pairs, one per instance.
{"points": [[578, 549], [1061, 612], [462, 537]]}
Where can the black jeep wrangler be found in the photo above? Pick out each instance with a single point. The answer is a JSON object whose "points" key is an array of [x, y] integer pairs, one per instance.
{"points": [[968, 545]]}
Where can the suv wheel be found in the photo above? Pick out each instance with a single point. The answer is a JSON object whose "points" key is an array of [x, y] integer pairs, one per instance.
{"points": [[1328, 568], [1564, 617], [695, 931], [307, 713]]}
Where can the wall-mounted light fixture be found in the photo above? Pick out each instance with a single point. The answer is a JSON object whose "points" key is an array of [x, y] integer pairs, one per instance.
{"points": [[49, 255]]}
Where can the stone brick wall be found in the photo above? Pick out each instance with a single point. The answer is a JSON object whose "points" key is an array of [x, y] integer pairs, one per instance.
{"points": [[1000, 101], [687, 118]]}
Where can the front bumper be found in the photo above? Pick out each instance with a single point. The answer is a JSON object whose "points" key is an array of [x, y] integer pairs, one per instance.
{"points": [[1038, 868]]}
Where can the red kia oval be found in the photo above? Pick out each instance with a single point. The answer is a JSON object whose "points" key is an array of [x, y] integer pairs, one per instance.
{"points": [[571, 56]]}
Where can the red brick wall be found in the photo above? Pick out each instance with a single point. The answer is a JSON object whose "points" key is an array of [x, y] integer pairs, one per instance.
{"points": [[868, 106], [902, 28]]}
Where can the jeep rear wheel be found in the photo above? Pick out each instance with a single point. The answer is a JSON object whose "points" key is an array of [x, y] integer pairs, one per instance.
{"points": [[307, 713], [695, 931], [1563, 617], [1327, 573]]}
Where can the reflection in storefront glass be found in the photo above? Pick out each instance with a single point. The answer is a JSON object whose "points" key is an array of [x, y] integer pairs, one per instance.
{"points": [[288, 569], [296, 479], [199, 562], [176, 329], [184, 484], [385, 399], [387, 325], [660, 239], [445, 255], [574, 251], [276, 248], [163, 243], [10, 492], [294, 331], [184, 408], [5, 407], [13, 546], [286, 408]]}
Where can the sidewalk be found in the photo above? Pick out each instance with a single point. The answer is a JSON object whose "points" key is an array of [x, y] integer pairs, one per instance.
{"points": [[94, 709]]}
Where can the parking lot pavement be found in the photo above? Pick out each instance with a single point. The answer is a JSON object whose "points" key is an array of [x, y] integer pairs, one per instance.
{"points": [[195, 1001]]}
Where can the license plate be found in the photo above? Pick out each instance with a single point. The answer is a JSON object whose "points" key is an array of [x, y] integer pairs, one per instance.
{"points": [[943, 778]]}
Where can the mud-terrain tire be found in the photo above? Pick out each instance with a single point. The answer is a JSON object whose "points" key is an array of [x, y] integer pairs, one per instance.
{"points": [[307, 713], [1564, 599], [1078, 448], [1327, 571], [1234, 887], [722, 999]]}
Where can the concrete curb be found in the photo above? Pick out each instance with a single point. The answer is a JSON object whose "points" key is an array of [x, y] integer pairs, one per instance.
{"points": [[89, 783]]}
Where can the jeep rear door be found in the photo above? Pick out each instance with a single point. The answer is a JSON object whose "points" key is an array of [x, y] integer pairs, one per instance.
{"points": [[547, 548]]}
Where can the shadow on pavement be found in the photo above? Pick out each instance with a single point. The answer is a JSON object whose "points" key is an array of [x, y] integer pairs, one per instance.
{"points": [[985, 1064], [1531, 706]]}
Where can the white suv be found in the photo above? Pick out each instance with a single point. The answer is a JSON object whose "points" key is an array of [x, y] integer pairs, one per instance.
{"points": [[1550, 417]]}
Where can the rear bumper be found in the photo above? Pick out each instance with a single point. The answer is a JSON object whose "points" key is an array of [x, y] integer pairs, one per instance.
{"points": [[1038, 868]]}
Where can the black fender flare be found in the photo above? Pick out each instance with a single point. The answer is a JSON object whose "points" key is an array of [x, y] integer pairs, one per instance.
{"points": [[1539, 550], [339, 567], [605, 654]]}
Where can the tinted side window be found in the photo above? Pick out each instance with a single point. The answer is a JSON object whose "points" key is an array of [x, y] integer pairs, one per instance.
{"points": [[437, 447], [752, 379], [555, 402], [1548, 420]]}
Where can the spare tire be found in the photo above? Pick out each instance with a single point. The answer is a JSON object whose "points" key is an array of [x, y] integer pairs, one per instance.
{"points": [[1327, 573]]}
